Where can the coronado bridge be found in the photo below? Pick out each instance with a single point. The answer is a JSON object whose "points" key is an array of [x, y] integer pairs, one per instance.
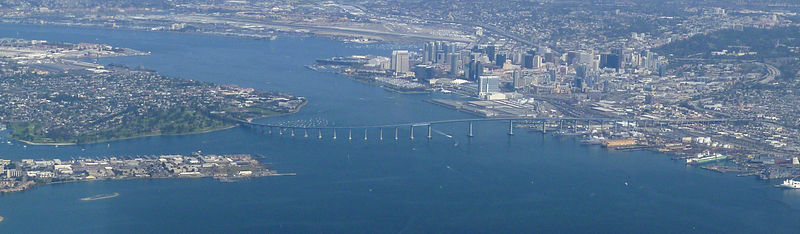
{"points": [[393, 130]]}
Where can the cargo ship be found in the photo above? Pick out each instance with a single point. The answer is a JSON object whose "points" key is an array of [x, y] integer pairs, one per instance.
{"points": [[790, 183], [342, 61], [706, 157]]}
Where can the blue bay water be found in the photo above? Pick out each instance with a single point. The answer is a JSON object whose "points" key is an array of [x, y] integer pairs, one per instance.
{"points": [[490, 183]]}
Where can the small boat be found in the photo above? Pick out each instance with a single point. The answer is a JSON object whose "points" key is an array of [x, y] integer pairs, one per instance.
{"points": [[100, 197]]}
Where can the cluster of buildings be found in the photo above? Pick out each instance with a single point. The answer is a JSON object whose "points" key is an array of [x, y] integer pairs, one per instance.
{"points": [[20, 175], [523, 59], [69, 104]]}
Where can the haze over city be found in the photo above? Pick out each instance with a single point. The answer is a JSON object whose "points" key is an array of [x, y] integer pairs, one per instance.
{"points": [[399, 116]]}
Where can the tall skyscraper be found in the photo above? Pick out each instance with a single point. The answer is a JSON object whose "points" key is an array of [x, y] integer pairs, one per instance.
{"points": [[581, 70], [490, 51], [537, 61], [528, 61], [488, 84], [500, 59], [400, 61], [516, 75], [573, 57], [477, 70], [428, 52], [454, 63]]}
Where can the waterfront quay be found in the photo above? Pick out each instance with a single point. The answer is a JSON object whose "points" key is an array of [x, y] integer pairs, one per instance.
{"points": [[21, 175]]}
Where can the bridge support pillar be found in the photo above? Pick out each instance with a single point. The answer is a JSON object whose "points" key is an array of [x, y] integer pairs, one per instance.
{"points": [[470, 130], [429, 132], [511, 127], [575, 126], [544, 126], [602, 127], [412, 132]]}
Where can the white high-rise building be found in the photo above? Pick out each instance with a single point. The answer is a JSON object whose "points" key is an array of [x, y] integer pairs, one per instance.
{"points": [[537, 61], [400, 61], [488, 84]]}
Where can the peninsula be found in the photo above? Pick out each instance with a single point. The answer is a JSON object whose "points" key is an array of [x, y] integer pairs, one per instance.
{"points": [[46, 97]]}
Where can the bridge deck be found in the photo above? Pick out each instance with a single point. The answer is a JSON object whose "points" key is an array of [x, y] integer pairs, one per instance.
{"points": [[417, 124]]}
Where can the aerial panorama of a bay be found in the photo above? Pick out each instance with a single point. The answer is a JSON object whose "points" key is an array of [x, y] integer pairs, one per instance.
{"points": [[492, 182]]}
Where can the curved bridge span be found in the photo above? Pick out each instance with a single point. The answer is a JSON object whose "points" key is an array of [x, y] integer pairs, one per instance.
{"points": [[426, 123], [291, 130]]}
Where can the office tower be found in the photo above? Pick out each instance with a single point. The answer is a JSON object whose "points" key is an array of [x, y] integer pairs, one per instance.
{"points": [[572, 57], [610, 61], [537, 61], [478, 70], [516, 58], [427, 52], [473, 70], [467, 67], [400, 61], [441, 57], [581, 70], [454, 63], [488, 84], [528, 61], [516, 76], [500, 59], [490, 51]]}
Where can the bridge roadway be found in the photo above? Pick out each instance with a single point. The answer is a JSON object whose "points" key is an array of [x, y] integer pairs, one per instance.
{"points": [[428, 123]]}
